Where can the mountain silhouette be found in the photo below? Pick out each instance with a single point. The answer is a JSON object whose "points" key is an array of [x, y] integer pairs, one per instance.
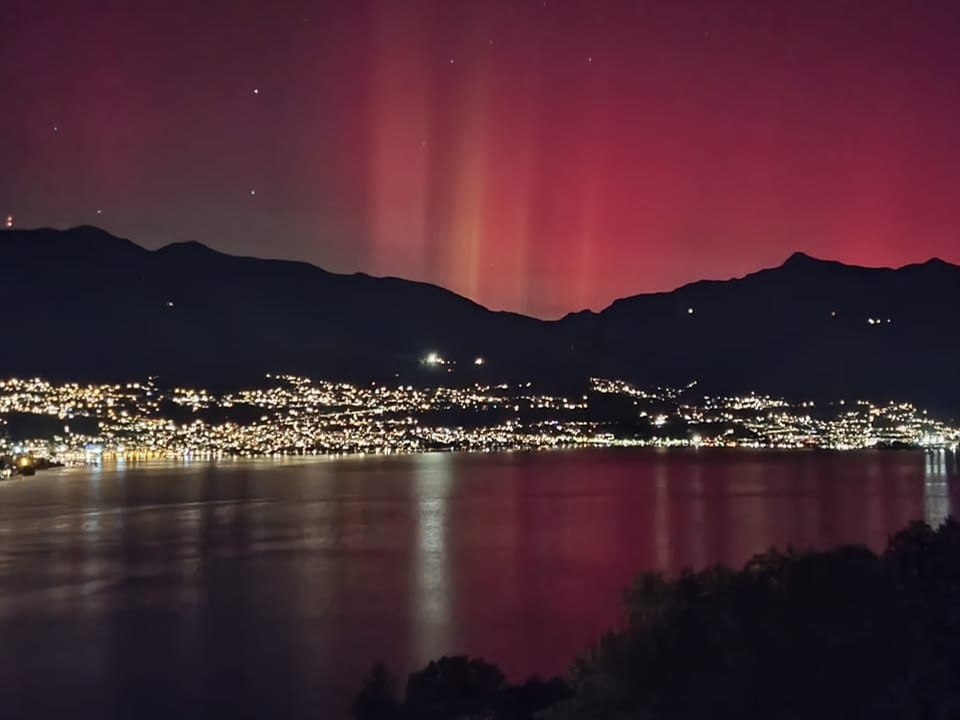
{"points": [[84, 305]]}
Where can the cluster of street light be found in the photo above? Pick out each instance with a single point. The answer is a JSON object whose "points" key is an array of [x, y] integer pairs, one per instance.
{"points": [[763, 421], [290, 415]]}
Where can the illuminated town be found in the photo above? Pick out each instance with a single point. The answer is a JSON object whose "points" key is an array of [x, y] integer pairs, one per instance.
{"points": [[288, 415]]}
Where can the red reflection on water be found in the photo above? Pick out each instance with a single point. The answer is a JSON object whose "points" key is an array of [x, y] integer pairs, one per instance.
{"points": [[246, 586], [542, 548]]}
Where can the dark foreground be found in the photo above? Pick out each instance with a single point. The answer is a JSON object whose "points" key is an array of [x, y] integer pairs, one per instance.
{"points": [[839, 634]]}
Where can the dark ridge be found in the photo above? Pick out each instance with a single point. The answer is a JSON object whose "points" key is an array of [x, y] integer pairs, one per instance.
{"points": [[802, 262], [100, 308], [800, 258], [189, 246], [585, 313], [937, 262]]}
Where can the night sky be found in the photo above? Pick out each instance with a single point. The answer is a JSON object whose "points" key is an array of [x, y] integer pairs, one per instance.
{"points": [[535, 155]]}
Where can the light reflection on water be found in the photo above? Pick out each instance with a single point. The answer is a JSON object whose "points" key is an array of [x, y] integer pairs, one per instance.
{"points": [[939, 466], [263, 589], [431, 607]]}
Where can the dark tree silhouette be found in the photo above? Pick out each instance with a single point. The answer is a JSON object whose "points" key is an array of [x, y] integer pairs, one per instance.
{"points": [[455, 688], [377, 699], [838, 634]]}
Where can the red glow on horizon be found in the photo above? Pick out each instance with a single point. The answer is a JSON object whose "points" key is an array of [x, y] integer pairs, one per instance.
{"points": [[539, 159]]}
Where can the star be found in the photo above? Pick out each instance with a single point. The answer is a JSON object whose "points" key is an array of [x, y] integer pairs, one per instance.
{"points": [[451, 61], [590, 59], [256, 91], [253, 192], [99, 212], [56, 128]]}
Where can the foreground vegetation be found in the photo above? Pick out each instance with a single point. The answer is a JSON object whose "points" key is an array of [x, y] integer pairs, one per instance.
{"points": [[838, 634]]}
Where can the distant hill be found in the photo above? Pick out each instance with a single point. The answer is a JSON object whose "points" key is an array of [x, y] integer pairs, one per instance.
{"points": [[84, 305], [802, 329]]}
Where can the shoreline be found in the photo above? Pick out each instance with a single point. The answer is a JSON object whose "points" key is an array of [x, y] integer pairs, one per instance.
{"points": [[188, 461]]}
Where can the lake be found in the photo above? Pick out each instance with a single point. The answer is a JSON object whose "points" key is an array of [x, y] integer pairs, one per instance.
{"points": [[257, 589]]}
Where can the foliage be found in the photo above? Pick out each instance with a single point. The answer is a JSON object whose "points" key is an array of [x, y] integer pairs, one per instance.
{"points": [[838, 634], [844, 633], [456, 688], [377, 698]]}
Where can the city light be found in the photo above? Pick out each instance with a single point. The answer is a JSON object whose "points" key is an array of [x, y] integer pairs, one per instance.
{"points": [[297, 416]]}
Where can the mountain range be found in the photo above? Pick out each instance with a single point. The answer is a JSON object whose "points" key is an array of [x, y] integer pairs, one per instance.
{"points": [[84, 305]]}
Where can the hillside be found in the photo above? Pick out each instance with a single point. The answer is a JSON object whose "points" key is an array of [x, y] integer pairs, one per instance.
{"points": [[84, 305]]}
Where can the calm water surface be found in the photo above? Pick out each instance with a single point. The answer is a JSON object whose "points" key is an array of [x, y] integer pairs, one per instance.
{"points": [[267, 590]]}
